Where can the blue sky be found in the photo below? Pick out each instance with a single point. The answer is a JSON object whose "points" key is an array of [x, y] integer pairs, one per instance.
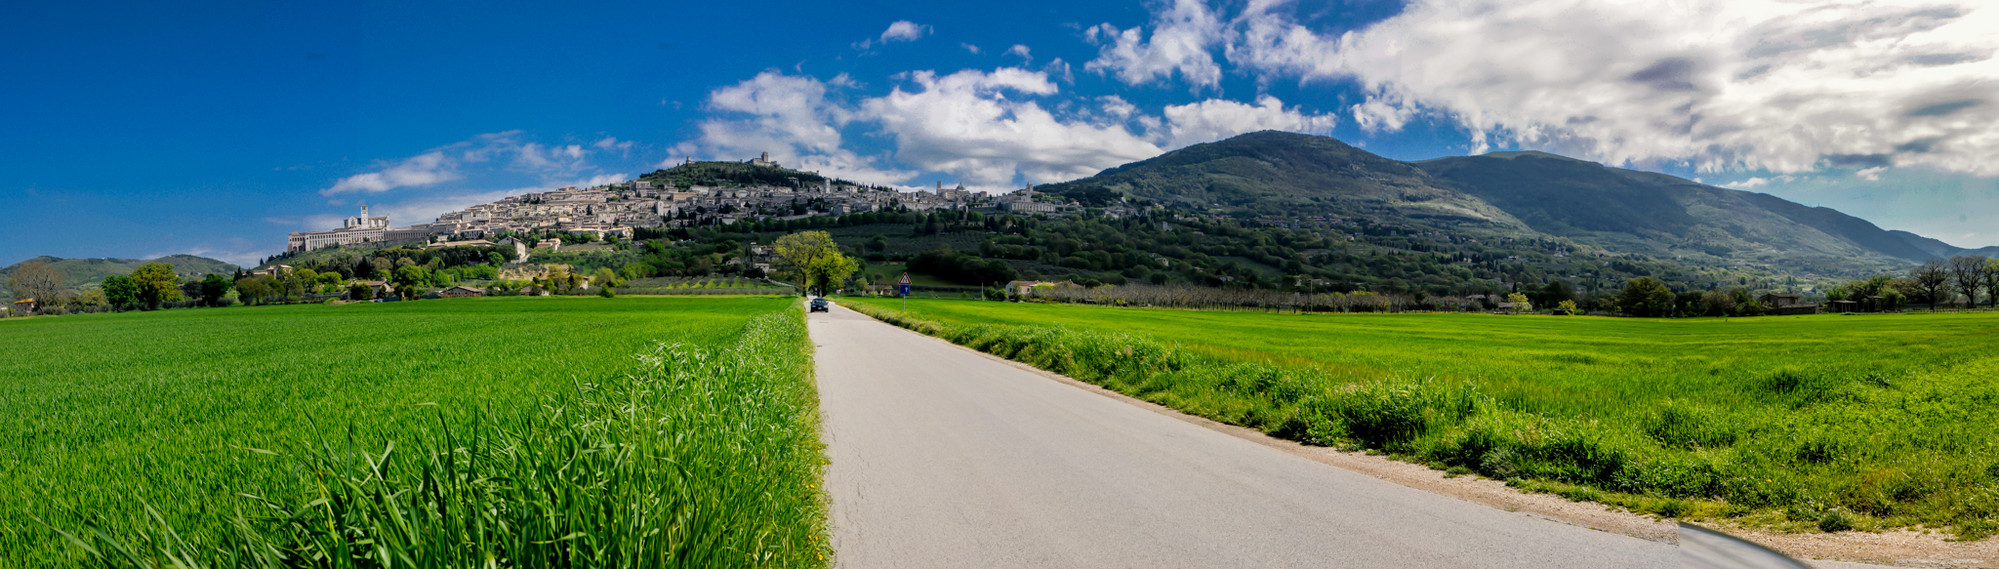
{"points": [[139, 130]]}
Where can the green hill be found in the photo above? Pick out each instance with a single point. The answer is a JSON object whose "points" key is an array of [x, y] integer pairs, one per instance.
{"points": [[1509, 197], [85, 273]]}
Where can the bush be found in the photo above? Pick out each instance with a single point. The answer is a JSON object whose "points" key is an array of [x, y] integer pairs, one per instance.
{"points": [[1835, 521]]}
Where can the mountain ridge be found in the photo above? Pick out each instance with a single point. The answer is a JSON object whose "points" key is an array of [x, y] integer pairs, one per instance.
{"points": [[1512, 194]]}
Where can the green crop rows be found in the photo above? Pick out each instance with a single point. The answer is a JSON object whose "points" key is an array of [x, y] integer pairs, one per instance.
{"points": [[513, 432], [712, 285], [1793, 423]]}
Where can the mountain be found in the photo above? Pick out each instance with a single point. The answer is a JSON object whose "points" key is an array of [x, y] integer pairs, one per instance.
{"points": [[1282, 174], [1533, 196], [1668, 217], [87, 272], [1939, 249]]}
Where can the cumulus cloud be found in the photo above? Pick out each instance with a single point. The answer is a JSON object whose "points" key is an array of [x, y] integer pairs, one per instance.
{"points": [[899, 31], [1022, 51], [1183, 37], [1721, 85], [904, 30], [965, 123], [420, 170], [1749, 184], [789, 116], [450, 163], [990, 130], [612, 144], [1214, 119]]}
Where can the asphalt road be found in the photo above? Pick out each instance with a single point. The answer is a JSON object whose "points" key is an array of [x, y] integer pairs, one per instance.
{"points": [[944, 457]]}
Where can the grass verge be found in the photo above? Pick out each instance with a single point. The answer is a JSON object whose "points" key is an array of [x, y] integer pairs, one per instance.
{"points": [[700, 452], [1799, 448]]}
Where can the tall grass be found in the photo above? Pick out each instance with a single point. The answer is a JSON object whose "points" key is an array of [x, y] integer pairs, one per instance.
{"points": [[692, 453], [1795, 445]]}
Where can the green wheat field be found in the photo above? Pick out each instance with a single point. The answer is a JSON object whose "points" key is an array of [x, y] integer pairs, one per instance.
{"points": [[1795, 423], [522, 432]]}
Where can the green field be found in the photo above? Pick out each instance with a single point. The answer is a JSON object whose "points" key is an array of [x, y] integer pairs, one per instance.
{"points": [[629, 432], [701, 286], [1798, 423]]}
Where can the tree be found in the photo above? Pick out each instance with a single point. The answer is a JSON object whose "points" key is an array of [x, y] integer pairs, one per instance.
{"points": [[37, 280], [1555, 292], [120, 291], [1967, 272], [1929, 283], [1717, 303], [360, 292], [1645, 296], [1991, 282], [604, 277], [813, 259], [410, 280], [1520, 302], [257, 289], [157, 284], [1567, 307], [213, 288]]}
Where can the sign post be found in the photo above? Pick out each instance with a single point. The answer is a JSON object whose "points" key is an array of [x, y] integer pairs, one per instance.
{"points": [[902, 288]]}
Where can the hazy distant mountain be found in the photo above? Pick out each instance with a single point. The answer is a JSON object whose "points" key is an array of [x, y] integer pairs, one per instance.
{"points": [[1511, 195], [1935, 248], [83, 272]]}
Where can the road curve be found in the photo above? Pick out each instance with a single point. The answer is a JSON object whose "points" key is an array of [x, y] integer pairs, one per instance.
{"points": [[944, 457]]}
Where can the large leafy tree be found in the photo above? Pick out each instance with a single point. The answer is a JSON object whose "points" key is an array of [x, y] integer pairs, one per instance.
{"points": [[120, 291], [410, 280], [813, 259], [157, 284], [37, 280], [1646, 296], [213, 288]]}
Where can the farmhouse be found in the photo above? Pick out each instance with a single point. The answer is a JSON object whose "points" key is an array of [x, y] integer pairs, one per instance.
{"points": [[1786, 303], [271, 271], [460, 291], [24, 306], [379, 288]]}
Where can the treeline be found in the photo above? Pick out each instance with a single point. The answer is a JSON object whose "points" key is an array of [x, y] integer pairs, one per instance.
{"points": [[43, 290]]}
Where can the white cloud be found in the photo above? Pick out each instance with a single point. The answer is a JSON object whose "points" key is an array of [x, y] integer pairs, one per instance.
{"points": [[533, 157], [790, 117], [1871, 174], [990, 130], [899, 31], [1726, 85], [449, 163], [1022, 51], [904, 30], [612, 144], [1182, 38], [1215, 119], [969, 47], [1752, 183], [966, 124], [420, 170]]}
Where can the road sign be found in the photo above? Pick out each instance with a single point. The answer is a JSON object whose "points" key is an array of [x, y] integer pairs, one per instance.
{"points": [[902, 285]]}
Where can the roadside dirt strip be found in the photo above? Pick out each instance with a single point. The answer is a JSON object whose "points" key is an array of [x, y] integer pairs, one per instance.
{"points": [[945, 457]]}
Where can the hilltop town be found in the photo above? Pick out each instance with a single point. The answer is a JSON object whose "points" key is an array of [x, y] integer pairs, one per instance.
{"points": [[689, 195]]}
